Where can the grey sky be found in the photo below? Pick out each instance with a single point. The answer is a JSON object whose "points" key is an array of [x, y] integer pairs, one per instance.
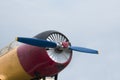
{"points": [[89, 23]]}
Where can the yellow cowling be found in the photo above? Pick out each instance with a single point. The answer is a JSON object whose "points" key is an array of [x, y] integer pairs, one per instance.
{"points": [[10, 67]]}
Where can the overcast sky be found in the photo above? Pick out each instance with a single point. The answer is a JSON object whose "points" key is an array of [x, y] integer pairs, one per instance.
{"points": [[88, 23]]}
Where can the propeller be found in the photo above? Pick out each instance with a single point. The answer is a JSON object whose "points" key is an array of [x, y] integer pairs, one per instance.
{"points": [[85, 50], [36, 42], [50, 44]]}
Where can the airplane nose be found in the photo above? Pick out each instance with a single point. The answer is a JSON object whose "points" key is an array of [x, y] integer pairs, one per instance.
{"points": [[44, 60]]}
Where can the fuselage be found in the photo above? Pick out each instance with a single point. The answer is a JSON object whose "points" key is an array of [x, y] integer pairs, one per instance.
{"points": [[11, 68]]}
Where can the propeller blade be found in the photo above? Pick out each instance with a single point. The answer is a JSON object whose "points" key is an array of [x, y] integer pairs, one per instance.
{"points": [[37, 42], [85, 50]]}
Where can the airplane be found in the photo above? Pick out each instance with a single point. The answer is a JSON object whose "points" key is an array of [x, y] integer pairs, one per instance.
{"points": [[44, 55]]}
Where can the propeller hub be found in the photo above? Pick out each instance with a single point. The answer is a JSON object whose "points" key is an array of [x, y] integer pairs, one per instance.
{"points": [[61, 46], [65, 44], [59, 49]]}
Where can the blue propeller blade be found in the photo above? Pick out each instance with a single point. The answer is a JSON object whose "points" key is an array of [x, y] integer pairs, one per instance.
{"points": [[81, 49], [36, 42], [45, 43]]}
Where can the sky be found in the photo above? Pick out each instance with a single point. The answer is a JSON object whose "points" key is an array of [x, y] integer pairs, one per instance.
{"points": [[87, 23]]}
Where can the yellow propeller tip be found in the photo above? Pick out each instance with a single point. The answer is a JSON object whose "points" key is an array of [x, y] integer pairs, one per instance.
{"points": [[98, 52], [16, 38]]}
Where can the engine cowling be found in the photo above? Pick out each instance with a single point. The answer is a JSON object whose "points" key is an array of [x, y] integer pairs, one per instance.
{"points": [[45, 61]]}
